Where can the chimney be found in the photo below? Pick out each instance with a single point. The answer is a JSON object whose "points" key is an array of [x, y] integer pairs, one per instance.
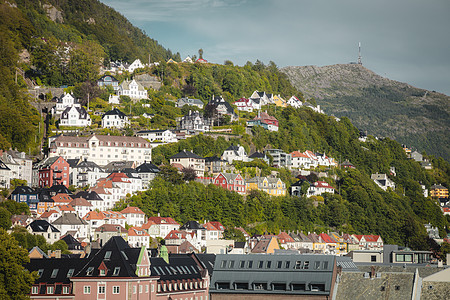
{"points": [[372, 272]]}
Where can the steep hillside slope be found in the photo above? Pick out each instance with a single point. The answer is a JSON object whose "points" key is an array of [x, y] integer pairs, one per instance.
{"points": [[383, 107]]}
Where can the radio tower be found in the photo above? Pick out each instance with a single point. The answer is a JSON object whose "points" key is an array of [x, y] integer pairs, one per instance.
{"points": [[359, 54]]}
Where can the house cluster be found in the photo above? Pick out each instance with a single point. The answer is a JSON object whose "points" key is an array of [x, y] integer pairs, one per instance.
{"points": [[258, 99], [418, 157]]}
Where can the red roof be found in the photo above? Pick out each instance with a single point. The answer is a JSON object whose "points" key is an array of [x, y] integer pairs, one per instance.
{"points": [[118, 177], [177, 234], [132, 210], [298, 154], [62, 198], [93, 215], [65, 207], [48, 214], [149, 224], [326, 238], [218, 225], [137, 231], [163, 220], [323, 184], [284, 238]]}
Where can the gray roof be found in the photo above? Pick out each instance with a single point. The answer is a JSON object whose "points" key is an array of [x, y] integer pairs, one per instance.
{"points": [[69, 219], [294, 274], [186, 154]]}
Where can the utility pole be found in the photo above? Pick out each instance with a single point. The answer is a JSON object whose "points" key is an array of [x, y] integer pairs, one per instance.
{"points": [[359, 54]]}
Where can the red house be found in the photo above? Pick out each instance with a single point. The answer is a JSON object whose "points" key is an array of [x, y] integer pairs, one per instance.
{"points": [[230, 181], [54, 171]]}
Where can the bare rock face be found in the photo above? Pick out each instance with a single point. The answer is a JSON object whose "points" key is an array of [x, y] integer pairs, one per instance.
{"points": [[331, 81], [24, 56], [53, 13], [383, 107], [90, 21]]}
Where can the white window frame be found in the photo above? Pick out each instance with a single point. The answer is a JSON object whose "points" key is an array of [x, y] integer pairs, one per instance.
{"points": [[87, 290], [116, 290]]}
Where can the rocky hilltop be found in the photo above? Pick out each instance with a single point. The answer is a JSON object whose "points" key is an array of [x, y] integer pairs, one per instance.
{"points": [[378, 105]]}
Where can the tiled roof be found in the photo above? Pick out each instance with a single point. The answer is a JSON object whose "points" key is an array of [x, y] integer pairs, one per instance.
{"points": [[298, 154], [186, 154], [218, 225], [326, 238], [137, 231], [178, 234], [132, 210], [163, 220], [111, 228], [69, 219], [80, 202]]}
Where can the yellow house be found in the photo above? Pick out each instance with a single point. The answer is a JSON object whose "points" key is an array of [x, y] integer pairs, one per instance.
{"points": [[272, 186], [266, 245], [279, 101], [438, 191], [341, 245], [318, 243]]}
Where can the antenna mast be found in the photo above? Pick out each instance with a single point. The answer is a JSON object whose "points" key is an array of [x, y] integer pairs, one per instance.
{"points": [[359, 54]]}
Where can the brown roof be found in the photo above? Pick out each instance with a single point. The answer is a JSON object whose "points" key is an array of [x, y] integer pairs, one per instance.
{"points": [[132, 210], [111, 228], [80, 202]]}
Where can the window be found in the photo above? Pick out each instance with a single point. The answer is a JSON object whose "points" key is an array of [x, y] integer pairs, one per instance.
{"points": [[86, 289], [134, 289], [279, 286], [40, 272], [146, 288], [54, 273], [260, 286], [140, 289], [34, 289], [298, 287], [116, 289], [241, 285], [306, 265], [325, 265], [268, 264], [116, 271], [373, 258], [279, 264], [223, 285], [317, 265], [50, 289], [101, 289], [223, 264], [102, 272], [298, 264], [89, 271], [231, 264], [242, 264], [260, 264], [70, 273], [287, 264], [65, 290], [317, 287]]}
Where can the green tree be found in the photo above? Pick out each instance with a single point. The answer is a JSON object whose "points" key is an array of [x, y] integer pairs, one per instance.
{"points": [[5, 218], [15, 280], [233, 234]]}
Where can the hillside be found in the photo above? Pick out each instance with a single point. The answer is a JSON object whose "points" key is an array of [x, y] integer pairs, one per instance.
{"points": [[382, 107]]}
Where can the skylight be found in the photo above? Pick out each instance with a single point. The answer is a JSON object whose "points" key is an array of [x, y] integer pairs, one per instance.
{"points": [[54, 273], [40, 272], [89, 271], [70, 273], [116, 271], [108, 254]]}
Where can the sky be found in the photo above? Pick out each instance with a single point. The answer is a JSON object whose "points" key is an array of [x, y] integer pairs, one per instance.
{"points": [[403, 40]]}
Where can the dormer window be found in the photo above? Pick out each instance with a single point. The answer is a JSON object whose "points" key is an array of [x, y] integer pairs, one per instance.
{"points": [[102, 272]]}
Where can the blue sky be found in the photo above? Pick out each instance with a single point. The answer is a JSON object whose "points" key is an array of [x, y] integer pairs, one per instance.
{"points": [[404, 40]]}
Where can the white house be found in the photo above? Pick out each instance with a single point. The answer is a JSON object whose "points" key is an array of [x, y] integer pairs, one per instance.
{"points": [[115, 119], [72, 222], [20, 165], [114, 99], [5, 176], [263, 98], [138, 237], [75, 116], [300, 160], [102, 149], [81, 206], [319, 187], [45, 229], [164, 225], [187, 101], [244, 104], [294, 102], [235, 153], [134, 216], [194, 121], [85, 173], [147, 172], [132, 89], [63, 102], [163, 136], [137, 64]]}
